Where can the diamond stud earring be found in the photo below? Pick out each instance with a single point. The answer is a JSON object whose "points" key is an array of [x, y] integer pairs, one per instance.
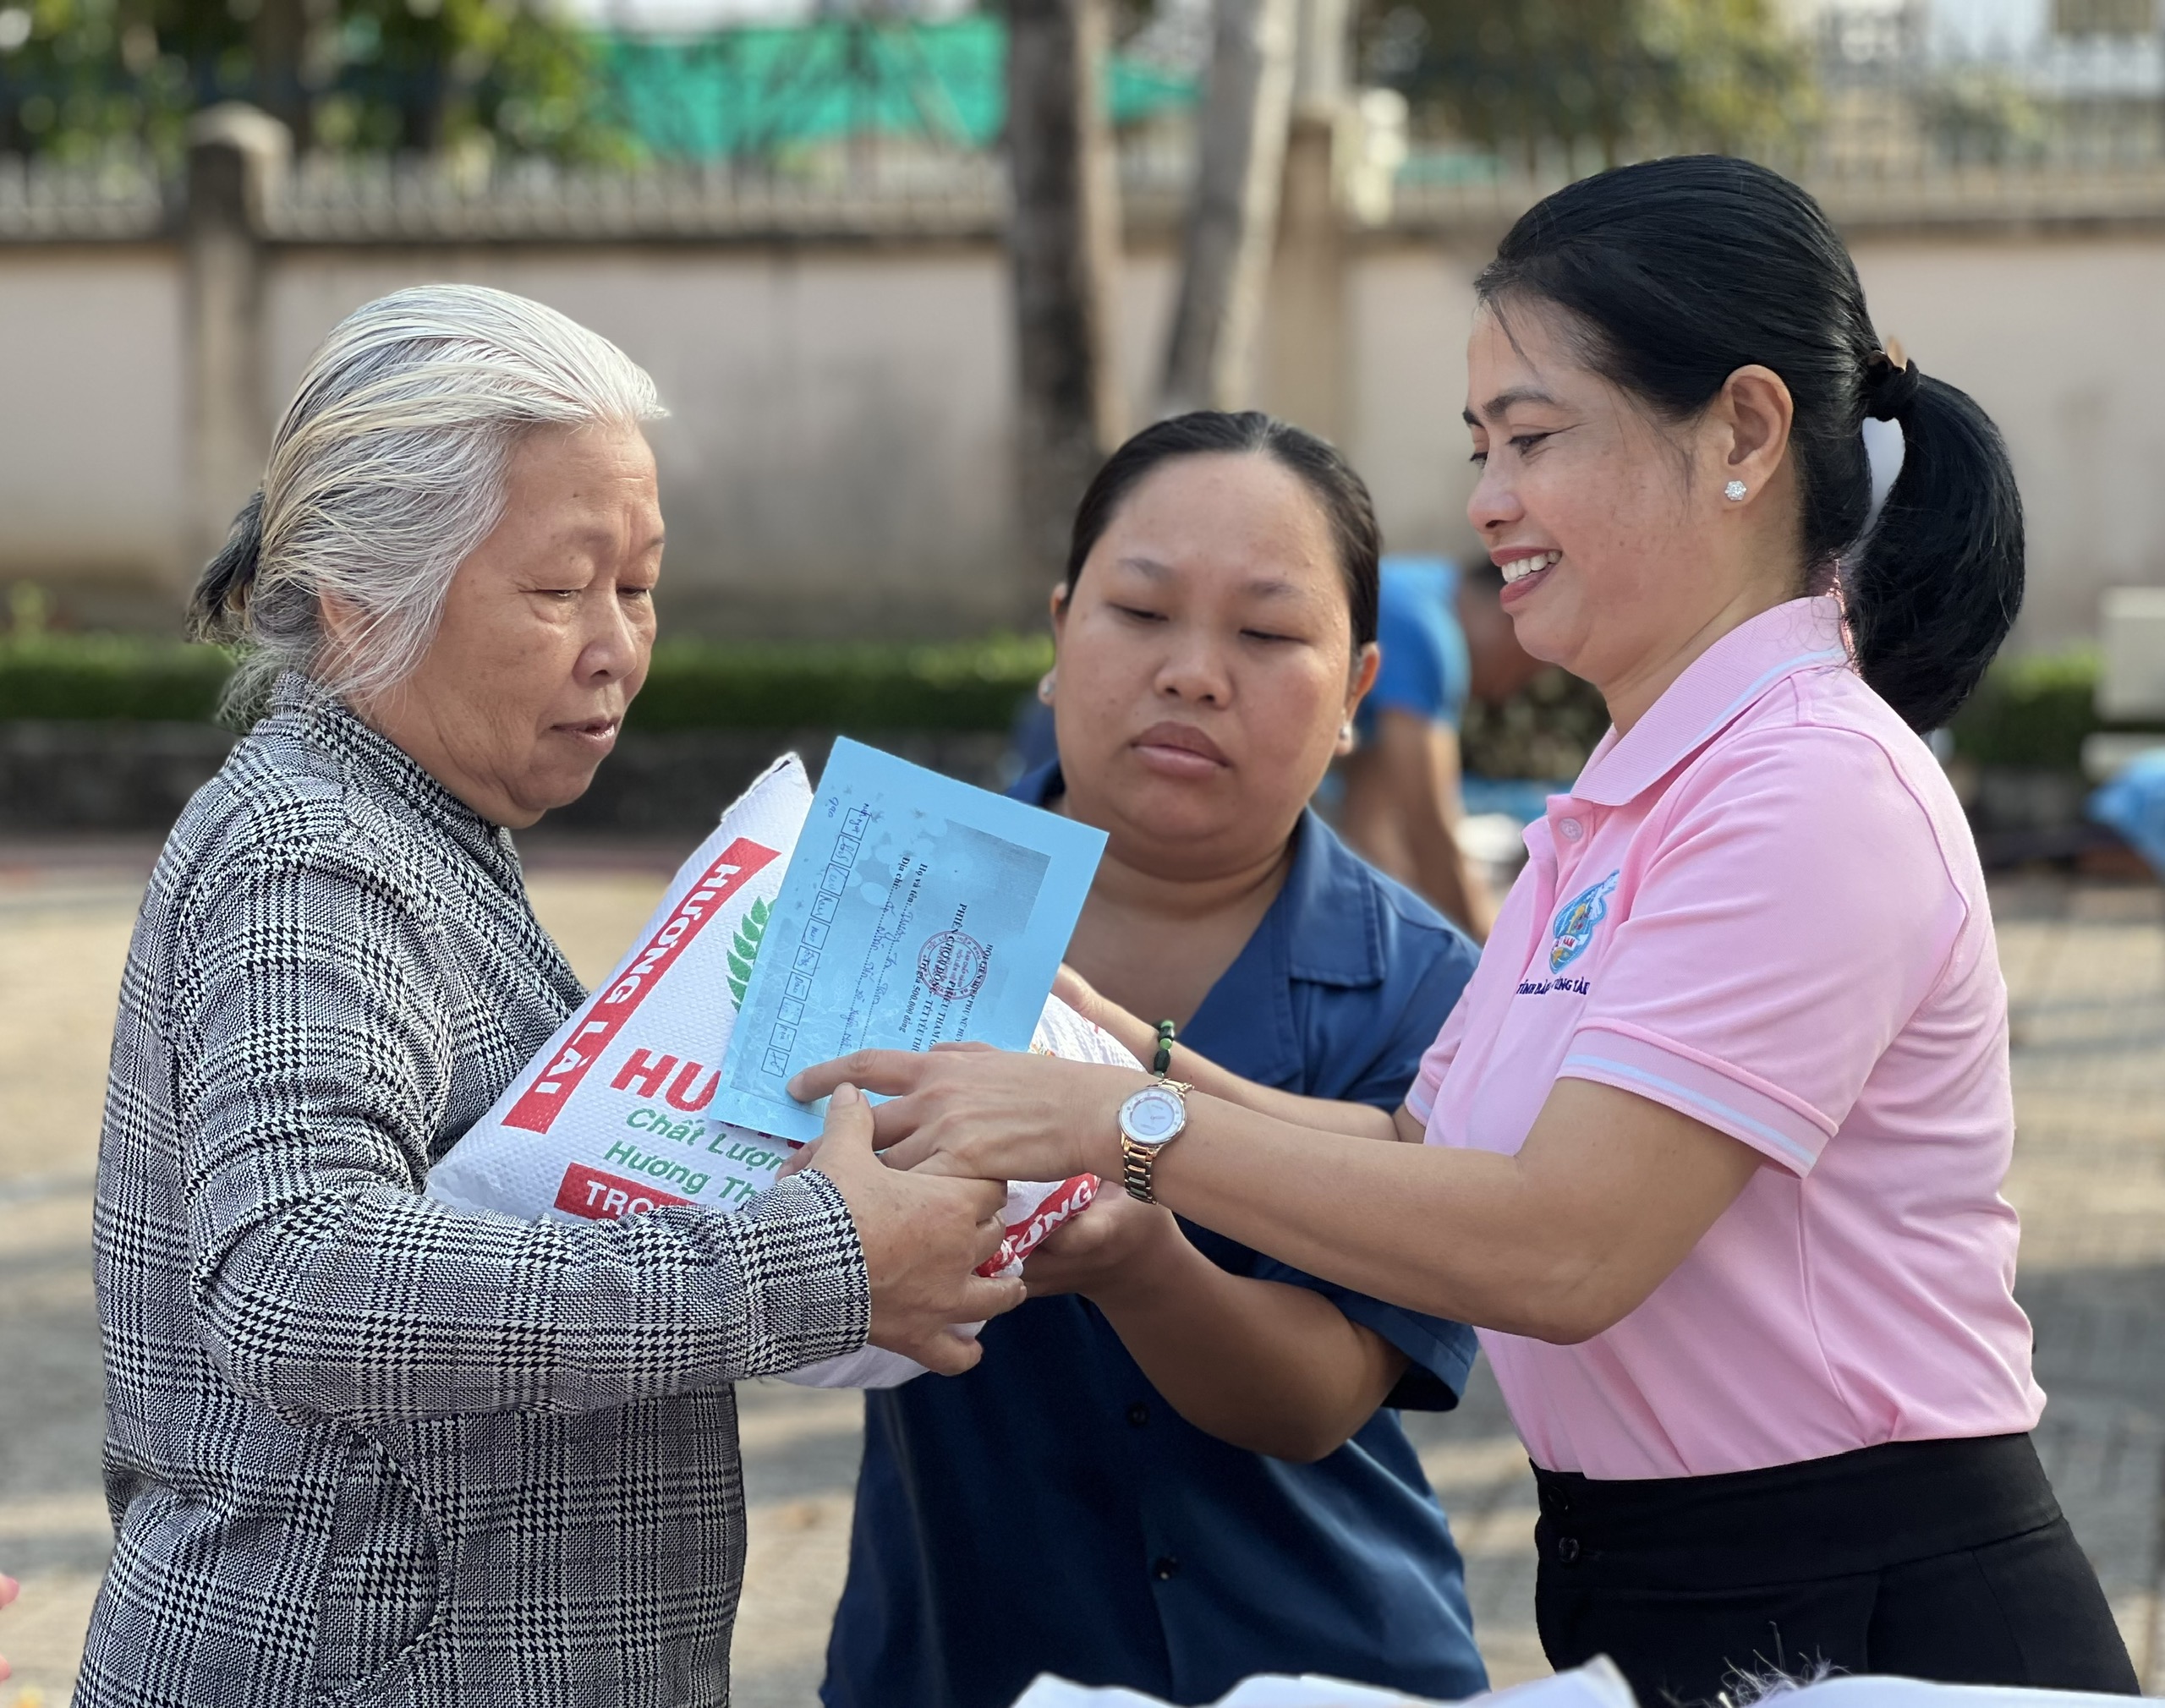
{"points": [[1735, 491]]}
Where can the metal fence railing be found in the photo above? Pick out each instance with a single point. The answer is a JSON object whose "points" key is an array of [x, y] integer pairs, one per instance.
{"points": [[1895, 126], [61, 201], [331, 198]]}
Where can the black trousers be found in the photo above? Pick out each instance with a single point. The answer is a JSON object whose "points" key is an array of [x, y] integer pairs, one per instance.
{"points": [[1944, 1560]]}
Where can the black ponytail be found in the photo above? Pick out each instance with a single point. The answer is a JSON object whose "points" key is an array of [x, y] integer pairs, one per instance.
{"points": [[217, 610], [1938, 583], [1677, 273]]}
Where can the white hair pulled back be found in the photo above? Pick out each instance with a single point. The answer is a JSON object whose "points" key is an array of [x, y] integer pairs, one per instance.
{"points": [[388, 470]]}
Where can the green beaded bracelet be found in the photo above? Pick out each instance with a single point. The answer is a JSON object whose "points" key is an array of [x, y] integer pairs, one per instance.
{"points": [[1163, 1063]]}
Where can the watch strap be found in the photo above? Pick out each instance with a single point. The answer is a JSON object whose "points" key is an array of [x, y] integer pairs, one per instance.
{"points": [[1139, 1166], [1139, 1161]]}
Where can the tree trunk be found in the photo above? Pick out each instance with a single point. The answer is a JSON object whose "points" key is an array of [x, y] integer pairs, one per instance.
{"points": [[236, 155], [1226, 263], [278, 43], [1063, 242], [1305, 354]]}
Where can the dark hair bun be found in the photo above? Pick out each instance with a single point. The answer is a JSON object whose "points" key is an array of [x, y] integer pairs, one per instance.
{"points": [[217, 610]]}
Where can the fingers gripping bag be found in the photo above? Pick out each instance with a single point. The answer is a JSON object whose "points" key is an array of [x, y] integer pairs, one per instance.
{"points": [[1034, 1208], [608, 1119]]}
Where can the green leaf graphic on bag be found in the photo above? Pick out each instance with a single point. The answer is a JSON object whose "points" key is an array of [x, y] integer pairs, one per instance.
{"points": [[745, 949]]}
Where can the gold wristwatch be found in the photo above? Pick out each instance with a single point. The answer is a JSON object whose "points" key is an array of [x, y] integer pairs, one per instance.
{"points": [[1150, 1120]]}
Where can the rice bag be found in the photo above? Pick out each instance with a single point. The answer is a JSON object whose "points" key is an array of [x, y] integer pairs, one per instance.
{"points": [[608, 1119], [1033, 1209]]}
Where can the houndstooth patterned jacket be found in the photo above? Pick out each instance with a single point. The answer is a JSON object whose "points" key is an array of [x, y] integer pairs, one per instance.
{"points": [[361, 1449]]}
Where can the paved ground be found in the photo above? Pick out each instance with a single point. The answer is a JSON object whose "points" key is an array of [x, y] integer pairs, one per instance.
{"points": [[2085, 965]]}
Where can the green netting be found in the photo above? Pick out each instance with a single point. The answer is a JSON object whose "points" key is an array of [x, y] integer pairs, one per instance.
{"points": [[760, 91]]}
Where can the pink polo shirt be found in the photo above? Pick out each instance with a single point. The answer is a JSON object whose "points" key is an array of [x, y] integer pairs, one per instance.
{"points": [[1762, 907]]}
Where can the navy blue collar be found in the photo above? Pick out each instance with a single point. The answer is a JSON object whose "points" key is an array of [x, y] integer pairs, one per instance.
{"points": [[1323, 928]]}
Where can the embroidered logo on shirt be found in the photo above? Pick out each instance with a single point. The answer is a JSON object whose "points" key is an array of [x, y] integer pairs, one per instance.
{"points": [[1576, 925]]}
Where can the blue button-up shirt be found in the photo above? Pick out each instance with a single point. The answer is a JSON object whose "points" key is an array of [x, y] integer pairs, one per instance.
{"points": [[1050, 1512]]}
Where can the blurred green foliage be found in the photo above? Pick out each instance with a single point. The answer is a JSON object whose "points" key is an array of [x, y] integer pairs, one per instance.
{"points": [[1597, 81], [108, 677], [869, 685], [1986, 114], [87, 79], [426, 75], [959, 685], [2032, 713]]}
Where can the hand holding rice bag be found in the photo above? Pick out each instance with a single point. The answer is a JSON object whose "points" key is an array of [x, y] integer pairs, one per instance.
{"points": [[609, 1118], [1035, 1208]]}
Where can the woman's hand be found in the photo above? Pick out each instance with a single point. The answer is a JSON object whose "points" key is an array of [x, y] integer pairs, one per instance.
{"points": [[1113, 1244], [9, 1590], [923, 1237], [988, 1115], [1140, 1037], [1134, 1034]]}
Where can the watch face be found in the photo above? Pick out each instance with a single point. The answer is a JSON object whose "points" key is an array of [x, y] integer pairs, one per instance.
{"points": [[1152, 1115]]}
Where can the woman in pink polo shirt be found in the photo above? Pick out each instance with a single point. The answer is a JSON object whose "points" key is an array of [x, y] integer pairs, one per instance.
{"points": [[1714, 1140]]}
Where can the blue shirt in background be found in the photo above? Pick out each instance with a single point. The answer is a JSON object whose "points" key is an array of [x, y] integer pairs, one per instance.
{"points": [[1050, 1512], [1425, 669]]}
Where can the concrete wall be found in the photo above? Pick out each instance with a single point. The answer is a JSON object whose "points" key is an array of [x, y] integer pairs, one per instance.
{"points": [[838, 456], [837, 440], [2064, 344], [1411, 307], [91, 361]]}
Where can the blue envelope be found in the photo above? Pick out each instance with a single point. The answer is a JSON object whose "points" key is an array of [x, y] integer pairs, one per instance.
{"points": [[917, 911]]}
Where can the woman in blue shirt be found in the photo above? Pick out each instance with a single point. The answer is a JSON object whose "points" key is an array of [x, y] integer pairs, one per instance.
{"points": [[1100, 1497]]}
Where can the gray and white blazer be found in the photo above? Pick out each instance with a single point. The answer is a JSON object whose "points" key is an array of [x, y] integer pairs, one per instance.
{"points": [[361, 1449]]}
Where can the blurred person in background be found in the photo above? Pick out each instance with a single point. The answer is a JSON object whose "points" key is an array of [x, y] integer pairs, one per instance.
{"points": [[1180, 1462], [361, 1447], [1498, 667], [9, 1588], [1444, 639], [1714, 1148], [1402, 803]]}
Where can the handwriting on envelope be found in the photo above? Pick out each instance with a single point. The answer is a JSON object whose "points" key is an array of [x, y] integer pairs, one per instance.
{"points": [[916, 911]]}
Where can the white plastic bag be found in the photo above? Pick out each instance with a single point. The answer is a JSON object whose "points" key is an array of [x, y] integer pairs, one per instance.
{"points": [[1598, 1684], [608, 1120], [1033, 1209]]}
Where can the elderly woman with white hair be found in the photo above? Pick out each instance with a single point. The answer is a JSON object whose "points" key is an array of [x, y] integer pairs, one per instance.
{"points": [[362, 1449]]}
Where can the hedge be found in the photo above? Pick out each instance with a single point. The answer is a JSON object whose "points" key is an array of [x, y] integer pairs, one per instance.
{"points": [[108, 678], [2031, 713], [960, 685], [871, 685]]}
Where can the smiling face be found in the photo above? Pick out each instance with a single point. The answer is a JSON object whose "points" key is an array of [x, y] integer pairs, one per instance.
{"points": [[1623, 557], [547, 628], [1206, 665]]}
